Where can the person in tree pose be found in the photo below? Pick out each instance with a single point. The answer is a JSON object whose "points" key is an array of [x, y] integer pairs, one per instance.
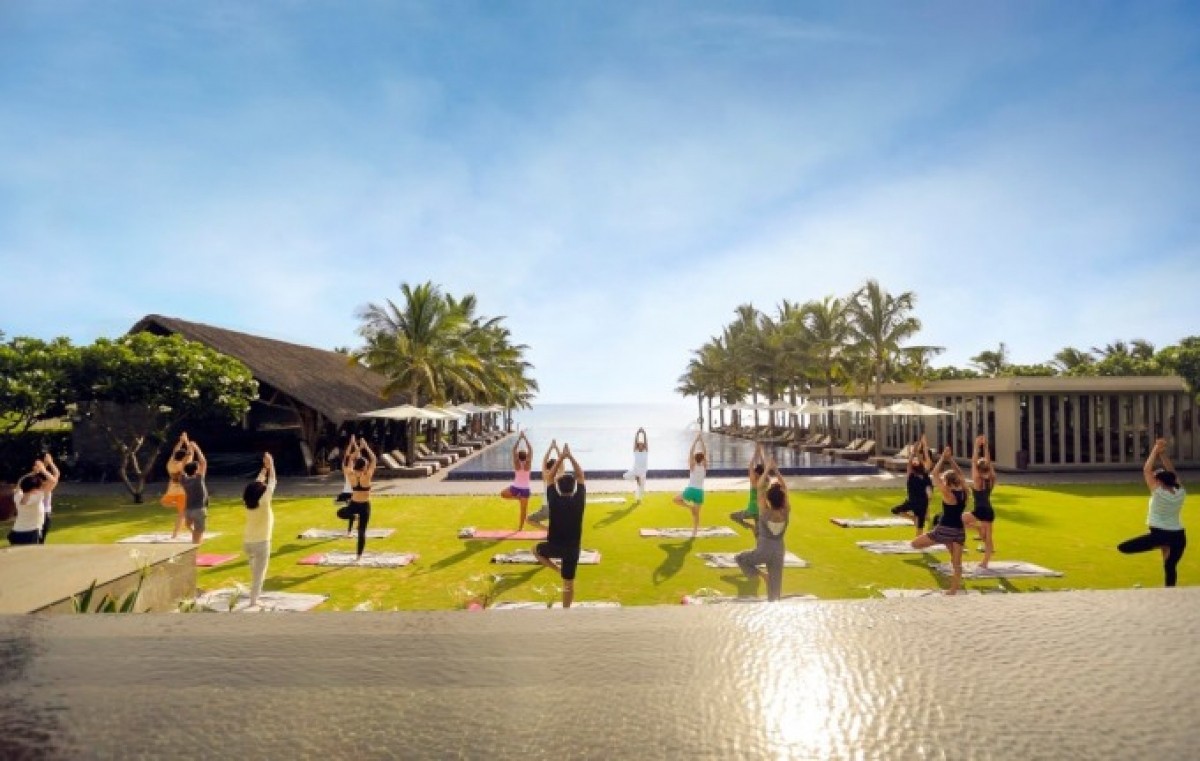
{"points": [[31, 490], [260, 520], [693, 496], [983, 480], [774, 515], [522, 462], [568, 497], [641, 464], [917, 487], [360, 470], [174, 497], [1166, 501], [549, 460], [754, 475], [949, 528], [47, 495], [195, 490]]}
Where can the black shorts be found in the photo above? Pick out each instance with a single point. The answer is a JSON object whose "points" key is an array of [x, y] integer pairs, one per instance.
{"points": [[920, 511], [31, 537], [568, 555]]}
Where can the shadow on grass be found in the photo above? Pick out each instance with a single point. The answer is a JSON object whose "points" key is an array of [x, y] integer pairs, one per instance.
{"points": [[615, 516], [930, 564], [673, 562], [470, 547], [507, 581], [281, 583], [745, 587]]}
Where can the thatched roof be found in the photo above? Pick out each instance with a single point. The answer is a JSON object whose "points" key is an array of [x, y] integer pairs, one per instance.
{"points": [[323, 380]]}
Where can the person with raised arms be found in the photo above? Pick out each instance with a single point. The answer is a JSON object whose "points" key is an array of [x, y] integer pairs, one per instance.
{"points": [[548, 461], [260, 522], [1166, 502], [520, 489], [174, 497], [983, 515], [774, 515], [949, 529], [641, 464], [47, 495], [195, 491], [567, 498], [917, 486], [359, 471], [693, 496], [31, 490], [754, 474]]}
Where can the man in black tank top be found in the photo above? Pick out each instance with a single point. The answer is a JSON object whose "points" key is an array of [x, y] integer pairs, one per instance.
{"points": [[567, 497]]}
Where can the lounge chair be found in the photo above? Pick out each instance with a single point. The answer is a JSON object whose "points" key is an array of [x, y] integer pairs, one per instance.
{"points": [[425, 453], [818, 445], [389, 466], [458, 451], [428, 466], [859, 453], [880, 461], [829, 450]]}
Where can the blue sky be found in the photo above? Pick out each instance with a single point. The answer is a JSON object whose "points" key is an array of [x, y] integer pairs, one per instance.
{"points": [[612, 177]]}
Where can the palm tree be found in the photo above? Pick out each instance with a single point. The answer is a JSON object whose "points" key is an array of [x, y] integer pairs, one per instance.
{"points": [[826, 328], [879, 324], [915, 364], [1072, 361], [992, 363]]}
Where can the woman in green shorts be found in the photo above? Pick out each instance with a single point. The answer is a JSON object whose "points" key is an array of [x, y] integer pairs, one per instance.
{"points": [[693, 496], [757, 467]]}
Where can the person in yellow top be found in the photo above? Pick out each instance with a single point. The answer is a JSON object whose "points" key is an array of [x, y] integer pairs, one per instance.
{"points": [[174, 496], [260, 521]]}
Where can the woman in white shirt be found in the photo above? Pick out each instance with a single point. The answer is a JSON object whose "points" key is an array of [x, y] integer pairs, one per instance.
{"points": [[31, 490], [1166, 502], [260, 521], [641, 463]]}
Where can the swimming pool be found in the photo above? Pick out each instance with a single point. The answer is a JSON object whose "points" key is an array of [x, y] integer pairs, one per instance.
{"points": [[601, 437]]}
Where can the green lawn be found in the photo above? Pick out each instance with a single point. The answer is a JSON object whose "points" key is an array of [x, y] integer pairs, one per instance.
{"points": [[1071, 529]]}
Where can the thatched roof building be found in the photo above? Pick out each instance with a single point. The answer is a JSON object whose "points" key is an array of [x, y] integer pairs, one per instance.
{"points": [[300, 387]]}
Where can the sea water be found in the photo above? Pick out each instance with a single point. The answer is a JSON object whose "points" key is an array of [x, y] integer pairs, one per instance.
{"points": [[601, 438]]}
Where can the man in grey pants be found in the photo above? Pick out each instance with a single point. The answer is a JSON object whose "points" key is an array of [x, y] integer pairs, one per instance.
{"points": [[196, 493]]}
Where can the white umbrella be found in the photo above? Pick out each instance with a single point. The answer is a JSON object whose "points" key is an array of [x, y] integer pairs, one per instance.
{"points": [[910, 407], [403, 412], [445, 414], [854, 405], [777, 406], [810, 407]]}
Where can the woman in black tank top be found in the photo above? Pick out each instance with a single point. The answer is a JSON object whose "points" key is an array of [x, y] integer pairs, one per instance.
{"points": [[983, 480], [359, 469], [949, 530]]}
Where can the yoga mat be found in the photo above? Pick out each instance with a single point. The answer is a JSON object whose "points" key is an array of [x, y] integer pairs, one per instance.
{"points": [[870, 522], [606, 500], [525, 557], [726, 560], [723, 599], [219, 601], [893, 594], [209, 560], [185, 537], [898, 547], [705, 532], [368, 560], [999, 569], [470, 532], [329, 533], [518, 605]]}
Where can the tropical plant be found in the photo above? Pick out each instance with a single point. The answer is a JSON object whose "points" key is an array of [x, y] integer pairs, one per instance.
{"points": [[879, 325], [1072, 361], [992, 363], [34, 382], [138, 387]]}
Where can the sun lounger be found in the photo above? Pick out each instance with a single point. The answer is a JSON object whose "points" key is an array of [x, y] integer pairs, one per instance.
{"points": [[880, 461], [817, 446], [852, 446], [858, 453], [424, 454], [389, 466]]}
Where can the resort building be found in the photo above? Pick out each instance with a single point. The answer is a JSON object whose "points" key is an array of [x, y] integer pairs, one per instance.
{"points": [[1052, 423]]}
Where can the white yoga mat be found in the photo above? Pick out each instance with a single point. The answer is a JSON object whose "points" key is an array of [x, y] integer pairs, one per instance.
{"points": [[726, 599], [185, 537], [606, 500], [898, 547], [368, 559], [893, 594], [870, 522], [518, 605], [727, 560], [525, 557], [329, 533], [999, 569], [291, 602], [686, 533]]}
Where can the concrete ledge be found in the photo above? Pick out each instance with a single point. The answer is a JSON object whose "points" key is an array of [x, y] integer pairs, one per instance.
{"points": [[44, 578], [1093, 675]]}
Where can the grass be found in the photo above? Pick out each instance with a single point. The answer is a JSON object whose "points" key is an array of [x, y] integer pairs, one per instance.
{"points": [[1072, 529]]}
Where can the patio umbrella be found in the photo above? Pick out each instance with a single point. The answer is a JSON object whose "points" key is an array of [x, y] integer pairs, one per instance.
{"points": [[854, 405], [910, 407], [404, 412], [810, 407]]}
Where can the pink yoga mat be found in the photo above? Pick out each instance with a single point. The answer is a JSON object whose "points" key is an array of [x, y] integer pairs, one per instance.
{"points": [[499, 533], [208, 559]]}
